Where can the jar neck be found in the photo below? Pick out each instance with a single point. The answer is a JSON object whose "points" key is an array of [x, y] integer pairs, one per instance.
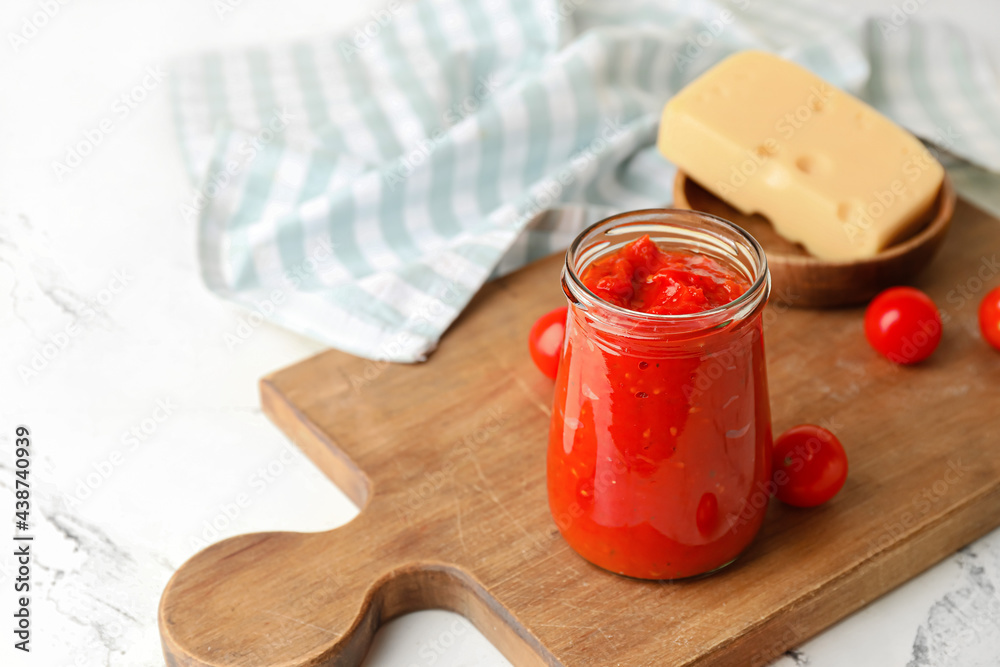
{"points": [[672, 230]]}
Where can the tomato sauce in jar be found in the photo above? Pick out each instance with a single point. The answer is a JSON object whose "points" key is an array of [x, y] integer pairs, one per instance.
{"points": [[660, 439]]}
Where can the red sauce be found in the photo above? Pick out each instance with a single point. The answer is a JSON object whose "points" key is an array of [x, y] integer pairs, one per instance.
{"points": [[659, 450], [643, 278]]}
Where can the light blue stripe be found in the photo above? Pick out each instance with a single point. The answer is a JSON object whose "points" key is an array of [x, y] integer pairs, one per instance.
{"points": [[831, 14], [491, 157], [770, 19], [437, 42], [631, 110], [291, 242], [289, 237], [390, 205], [918, 74], [592, 192], [260, 81], [536, 101], [321, 167], [618, 77], [961, 65], [359, 80], [429, 281], [533, 93], [537, 45], [441, 158], [312, 96], [441, 196], [490, 125], [422, 277], [261, 165], [210, 235], [588, 118], [375, 311], [408, 80], [589, 122], [539, 245], [678, 78], [318, 175], [977, 186], [425, 329], [638, 182], [644, 65], [875, 91], [317, 110], [364, 306], [215, 90], [392, 222], [481, 254], [342, 228]]}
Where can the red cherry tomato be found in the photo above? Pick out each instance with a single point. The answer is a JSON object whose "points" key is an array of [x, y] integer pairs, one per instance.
{"points": [[810, 466], [989, 317], [903, 324], [545, 340]]}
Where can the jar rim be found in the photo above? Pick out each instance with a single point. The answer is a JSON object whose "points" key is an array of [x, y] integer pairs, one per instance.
{"points": [[758, 290]]}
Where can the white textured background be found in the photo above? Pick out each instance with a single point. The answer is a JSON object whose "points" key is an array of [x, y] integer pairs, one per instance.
{"points": [[102, 562]]}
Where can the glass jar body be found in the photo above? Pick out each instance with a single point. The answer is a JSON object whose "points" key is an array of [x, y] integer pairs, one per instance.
{"points": [[660, 442]]}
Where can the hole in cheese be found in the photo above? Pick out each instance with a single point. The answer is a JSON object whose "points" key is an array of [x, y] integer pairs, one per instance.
{"points": [[815, 164], [763, 150], [844, 211]]}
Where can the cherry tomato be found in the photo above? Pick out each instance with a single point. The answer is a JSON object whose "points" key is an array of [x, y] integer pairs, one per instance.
{"points": [[810, 466], [989, 317], [903, 324], [545, 340]]}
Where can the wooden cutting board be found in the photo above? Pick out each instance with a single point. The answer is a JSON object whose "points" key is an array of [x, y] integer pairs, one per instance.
{"points": [[447, 460]]}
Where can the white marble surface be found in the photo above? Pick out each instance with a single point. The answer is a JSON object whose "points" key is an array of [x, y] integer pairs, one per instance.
{"points": [[146, 425]]}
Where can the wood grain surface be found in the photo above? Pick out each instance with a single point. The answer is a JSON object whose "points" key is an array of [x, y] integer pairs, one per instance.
{"points": [[447, 461], [823, 283]]}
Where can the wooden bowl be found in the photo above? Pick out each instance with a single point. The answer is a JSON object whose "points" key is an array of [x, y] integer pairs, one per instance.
{"points": [[802, 280]]}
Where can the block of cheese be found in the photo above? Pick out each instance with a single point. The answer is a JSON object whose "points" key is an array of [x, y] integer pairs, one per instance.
{"points": [[826, 169]]}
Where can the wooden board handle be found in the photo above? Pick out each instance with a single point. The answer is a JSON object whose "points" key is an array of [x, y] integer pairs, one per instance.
{"points": [[229, 605]]}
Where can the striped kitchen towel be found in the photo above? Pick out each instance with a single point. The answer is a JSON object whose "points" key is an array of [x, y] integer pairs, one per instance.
{"points": [[360, 189]]}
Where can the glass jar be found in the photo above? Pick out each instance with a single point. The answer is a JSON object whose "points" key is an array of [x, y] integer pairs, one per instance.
{"points": [[660, 442]]}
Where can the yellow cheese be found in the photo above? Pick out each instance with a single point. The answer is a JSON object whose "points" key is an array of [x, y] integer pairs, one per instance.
{"points": [[826, 169]]}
